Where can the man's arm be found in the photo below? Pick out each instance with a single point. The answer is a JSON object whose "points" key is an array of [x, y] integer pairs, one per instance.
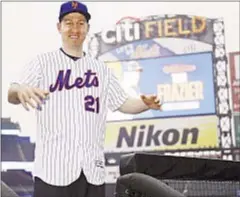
{"points": [[139, 105], [26, 95], [133, 106], [13, 94], [119, 100], [25, 89]]}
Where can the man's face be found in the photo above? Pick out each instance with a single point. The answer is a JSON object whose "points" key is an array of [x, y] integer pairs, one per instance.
{"points": [[73, 29]]}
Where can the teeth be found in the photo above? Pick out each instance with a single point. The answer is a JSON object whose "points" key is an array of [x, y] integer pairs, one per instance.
{"points": [[74, 37]]}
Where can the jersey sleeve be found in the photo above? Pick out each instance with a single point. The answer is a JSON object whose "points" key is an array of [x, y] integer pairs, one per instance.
{"points": [[30, 74], [116, 94]]}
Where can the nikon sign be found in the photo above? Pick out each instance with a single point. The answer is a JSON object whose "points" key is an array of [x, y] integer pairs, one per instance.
{"points": [[162, 134]]}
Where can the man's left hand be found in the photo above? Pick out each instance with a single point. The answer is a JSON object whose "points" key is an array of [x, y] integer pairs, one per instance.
{"points": [[151, 101]]}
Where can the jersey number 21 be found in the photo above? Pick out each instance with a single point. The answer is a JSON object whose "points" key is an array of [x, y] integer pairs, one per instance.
{"points": [[92, 104]]}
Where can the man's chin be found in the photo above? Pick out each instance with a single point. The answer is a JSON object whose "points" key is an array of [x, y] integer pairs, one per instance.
{"points": [[76, 44]]}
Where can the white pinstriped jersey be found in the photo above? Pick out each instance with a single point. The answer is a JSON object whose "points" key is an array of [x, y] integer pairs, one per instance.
{"points": [[71, 125]]}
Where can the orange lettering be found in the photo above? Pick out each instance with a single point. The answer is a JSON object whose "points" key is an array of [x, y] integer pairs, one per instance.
{"points": [[168, 27]]}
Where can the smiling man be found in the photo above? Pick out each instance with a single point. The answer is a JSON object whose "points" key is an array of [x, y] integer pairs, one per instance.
{"points": [[69, 154]]}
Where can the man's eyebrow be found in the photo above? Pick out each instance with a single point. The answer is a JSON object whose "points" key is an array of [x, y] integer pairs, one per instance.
{"points": [[66, 19], [82, 19]]}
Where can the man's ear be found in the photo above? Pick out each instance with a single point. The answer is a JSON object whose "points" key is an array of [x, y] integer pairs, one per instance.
{"points": [[59, 27]]}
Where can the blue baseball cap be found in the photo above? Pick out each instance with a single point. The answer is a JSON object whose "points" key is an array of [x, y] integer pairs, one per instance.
{"points": [[74, 6]]}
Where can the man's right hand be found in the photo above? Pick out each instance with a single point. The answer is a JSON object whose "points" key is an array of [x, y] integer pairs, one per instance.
{"points": [[27, 95]]}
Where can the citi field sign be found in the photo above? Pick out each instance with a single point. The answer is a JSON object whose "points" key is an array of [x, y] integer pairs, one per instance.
{"points": [[153, 36], [141, 30]]}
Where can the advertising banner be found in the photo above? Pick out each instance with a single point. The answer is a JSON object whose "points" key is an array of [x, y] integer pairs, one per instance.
{"points": [[183, 83], [162, 134], [153, 36], [235, 79]]}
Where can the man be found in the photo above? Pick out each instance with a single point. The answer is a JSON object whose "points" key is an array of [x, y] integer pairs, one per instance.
{"points": [[69, 154]]}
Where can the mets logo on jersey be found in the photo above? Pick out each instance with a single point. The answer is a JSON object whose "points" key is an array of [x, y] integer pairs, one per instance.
{"points": [[74, 5]]}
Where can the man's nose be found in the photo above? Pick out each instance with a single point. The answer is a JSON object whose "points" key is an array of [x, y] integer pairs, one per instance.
{"points": [[75, 28]]}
